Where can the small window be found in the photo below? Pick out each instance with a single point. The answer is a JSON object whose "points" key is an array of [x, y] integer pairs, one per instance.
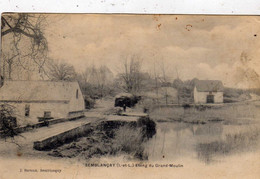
{"points": [[77, 94], [27, 110], [47, 114]]}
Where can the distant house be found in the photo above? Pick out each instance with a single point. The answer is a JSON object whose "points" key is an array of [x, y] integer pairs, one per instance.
{"points": [[34, 100], [208, 91]]}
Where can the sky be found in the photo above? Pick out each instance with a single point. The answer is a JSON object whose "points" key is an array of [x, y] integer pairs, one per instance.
{"points": [[188, 46]]}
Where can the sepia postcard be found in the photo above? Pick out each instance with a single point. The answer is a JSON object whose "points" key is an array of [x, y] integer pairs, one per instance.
{"points": [[129, 96]]}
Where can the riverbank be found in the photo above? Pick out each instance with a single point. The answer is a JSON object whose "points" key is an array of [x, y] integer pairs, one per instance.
{"points": [[242, 113], [110, 138]]}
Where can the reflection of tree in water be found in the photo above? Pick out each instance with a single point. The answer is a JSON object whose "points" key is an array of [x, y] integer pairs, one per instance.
{"points": [[180, 126], [179, 139], [206, 141], [240, 141], [209, 129], [164, 130], [183, 138], [205, 150], [197, 133]]}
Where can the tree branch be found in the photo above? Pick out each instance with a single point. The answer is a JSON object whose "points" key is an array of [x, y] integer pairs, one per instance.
{"points": [[17, 30]]}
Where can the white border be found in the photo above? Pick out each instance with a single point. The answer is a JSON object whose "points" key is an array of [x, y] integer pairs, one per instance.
{"points": [[229, 7]]}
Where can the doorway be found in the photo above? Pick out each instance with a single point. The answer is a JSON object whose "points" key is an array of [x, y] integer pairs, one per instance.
{"points": [[210, 98]]}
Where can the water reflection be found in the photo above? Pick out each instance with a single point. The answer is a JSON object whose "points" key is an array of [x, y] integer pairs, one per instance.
{"points": [[176, 140]]}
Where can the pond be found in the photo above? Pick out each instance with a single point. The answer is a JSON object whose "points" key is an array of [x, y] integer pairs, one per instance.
{"points": [[206, 143]]}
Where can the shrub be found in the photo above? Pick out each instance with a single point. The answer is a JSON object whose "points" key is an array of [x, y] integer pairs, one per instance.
{"points": [[148, 127], [129, 139], [7, 121], [89, 103]]}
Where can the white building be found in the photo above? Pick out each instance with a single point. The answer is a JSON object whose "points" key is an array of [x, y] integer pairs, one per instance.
{"points": [[37, 99], [208, 91]]}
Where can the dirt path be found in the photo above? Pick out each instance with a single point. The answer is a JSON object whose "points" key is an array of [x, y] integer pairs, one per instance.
{"points": [[102, 106]]}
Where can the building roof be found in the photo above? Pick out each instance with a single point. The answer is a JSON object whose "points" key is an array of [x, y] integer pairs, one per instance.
{"points": [[209, 86], [37, 91]]}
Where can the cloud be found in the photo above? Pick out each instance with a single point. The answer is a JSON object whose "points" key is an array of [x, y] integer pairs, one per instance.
{"points": [[237, 75], [211, 48]]}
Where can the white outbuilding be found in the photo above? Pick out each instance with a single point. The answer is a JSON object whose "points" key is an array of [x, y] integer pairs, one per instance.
{"points": [[33, 100], [208, 91]]}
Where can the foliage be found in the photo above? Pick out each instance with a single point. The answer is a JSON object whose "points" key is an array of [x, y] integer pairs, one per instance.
{"points": [[109, 138], [7, 121], [89, 103], [185, 90], [148, 127], [129, 139], [235, 95]]}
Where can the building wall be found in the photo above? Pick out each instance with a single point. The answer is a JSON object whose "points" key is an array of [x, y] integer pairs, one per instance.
{"points": [[76, 102], [58, 110], [201, 97]]}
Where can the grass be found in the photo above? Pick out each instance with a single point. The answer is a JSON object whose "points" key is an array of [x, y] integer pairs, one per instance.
{"points": [[226, 113], [111, 138], [129, 140]]}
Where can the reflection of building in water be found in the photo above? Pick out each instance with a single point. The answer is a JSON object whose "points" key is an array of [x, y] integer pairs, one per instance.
{"points": [[208, 91]]}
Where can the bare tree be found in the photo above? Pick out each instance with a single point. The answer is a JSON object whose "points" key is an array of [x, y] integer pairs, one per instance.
{"points": [[103, 77], [97, 80], [9, 62], [164, 81], [23, 40], [60, 71], [156, 77], [132, 76]]}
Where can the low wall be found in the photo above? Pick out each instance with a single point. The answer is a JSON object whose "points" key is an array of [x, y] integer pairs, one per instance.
{"points": [[65, 137], [42, 124], [147, 126]]}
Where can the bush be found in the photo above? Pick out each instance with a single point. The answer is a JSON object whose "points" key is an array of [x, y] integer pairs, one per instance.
{"points": [[89, 103], [129, 139], [7, 121], [148, 127]]}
